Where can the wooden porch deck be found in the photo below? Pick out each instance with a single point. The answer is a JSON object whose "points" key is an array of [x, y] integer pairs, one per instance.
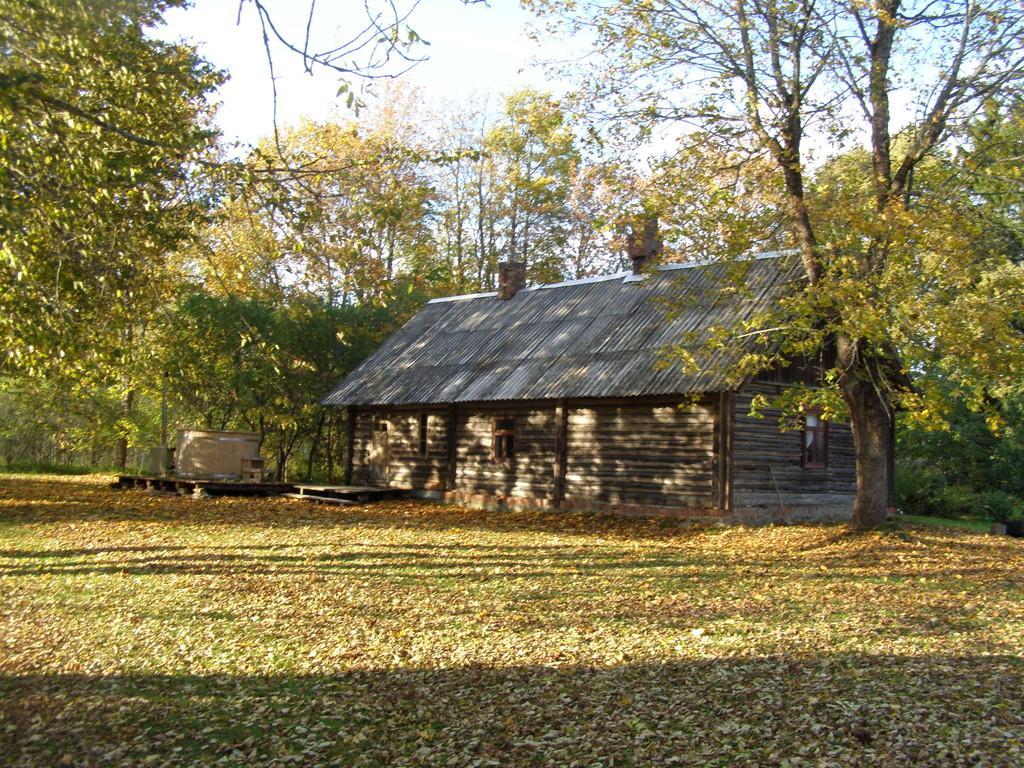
{"points": [[328, 494], [183, 486]]}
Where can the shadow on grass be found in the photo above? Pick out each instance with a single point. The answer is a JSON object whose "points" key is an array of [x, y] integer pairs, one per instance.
{"points": [[29, 500], [426, 561], [452, 560], [840, 710]]}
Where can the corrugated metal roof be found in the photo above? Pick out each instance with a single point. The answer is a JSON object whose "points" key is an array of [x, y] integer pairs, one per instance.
{"points": [[601, 337]]}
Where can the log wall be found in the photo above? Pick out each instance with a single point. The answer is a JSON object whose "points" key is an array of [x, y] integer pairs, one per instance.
{"points": [[407, 468], [766, 462], [615, 456], [361, 448], [529, 473], [646, 454]]}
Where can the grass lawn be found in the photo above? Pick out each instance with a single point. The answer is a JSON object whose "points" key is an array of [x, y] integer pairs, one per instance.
{"points": [[963, 523], [148, 630]]}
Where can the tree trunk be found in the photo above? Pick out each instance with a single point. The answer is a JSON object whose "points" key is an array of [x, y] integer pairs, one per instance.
{"points": [[329, 449], [282, 457], [121, 450], [315, 445], [872, 432]]}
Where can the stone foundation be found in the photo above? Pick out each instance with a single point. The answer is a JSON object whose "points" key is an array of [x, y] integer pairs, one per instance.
{"points": [[743, 516], [830, 513]]}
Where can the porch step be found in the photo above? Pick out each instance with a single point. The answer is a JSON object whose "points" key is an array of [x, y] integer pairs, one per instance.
{"points": [[350, 493], [321, 499]]}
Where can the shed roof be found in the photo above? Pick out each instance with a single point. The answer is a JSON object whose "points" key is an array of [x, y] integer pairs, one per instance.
{"points": [[599, 337]]}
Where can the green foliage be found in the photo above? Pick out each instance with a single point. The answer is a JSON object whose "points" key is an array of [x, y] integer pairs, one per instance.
{"points": [[353, 217], [960, 501], [979, 450], [1001, 506], [917, 490], [45, 424], [520, 189], [533, 152], [102, 127], [254, 364], [717, 200], [993, 161], [922, 491]]}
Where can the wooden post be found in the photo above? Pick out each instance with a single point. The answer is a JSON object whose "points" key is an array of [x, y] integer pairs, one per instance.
{"points": [[723, 450], [451, 434], [561, 450], [350, 442]]}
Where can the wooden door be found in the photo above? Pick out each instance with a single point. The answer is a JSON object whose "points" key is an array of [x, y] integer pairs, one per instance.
{"points": [[380, 454]]}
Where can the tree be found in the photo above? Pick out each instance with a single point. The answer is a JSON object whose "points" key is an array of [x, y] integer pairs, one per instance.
{"points": [[263, 364], [535, 158], [349, 208], [104, 130], [978, 442], [991, 163], [302, 270], [716, 199], [103, 127], [47, 424], [464, 187], [594, 207], [515, 186], [894, 286]]}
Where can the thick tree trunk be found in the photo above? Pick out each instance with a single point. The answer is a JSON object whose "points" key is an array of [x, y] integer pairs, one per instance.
{"points": [[121, 454], [872, 431]]}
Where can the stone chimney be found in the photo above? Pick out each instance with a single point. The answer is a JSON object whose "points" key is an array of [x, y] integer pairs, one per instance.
{"points": [[643, 247], [511, 278]]}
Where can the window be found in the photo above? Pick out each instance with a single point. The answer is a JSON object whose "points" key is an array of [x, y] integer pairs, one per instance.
{"points": [[424, 429], [380, 424], [503, 438], [815, 441]]}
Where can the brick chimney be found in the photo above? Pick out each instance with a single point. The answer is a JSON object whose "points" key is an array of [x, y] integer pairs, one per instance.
{"points": [[511, 278], [643, 247]]}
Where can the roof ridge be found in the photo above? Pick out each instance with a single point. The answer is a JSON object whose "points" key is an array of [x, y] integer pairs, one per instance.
{"points": [[624, 276], [442, 299]]}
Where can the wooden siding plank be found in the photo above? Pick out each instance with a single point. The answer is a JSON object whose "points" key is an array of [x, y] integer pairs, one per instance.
{"points": [[452, 447]]}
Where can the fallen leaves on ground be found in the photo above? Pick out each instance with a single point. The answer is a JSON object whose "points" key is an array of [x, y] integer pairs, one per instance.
{"points": [[142, 629]]}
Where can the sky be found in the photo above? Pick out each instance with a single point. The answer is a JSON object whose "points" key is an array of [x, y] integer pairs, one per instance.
{"points": [[474, 50]]}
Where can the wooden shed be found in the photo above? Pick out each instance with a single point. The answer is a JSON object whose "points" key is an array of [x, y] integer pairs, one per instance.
{"points": [[218, 455], [559, 396]]}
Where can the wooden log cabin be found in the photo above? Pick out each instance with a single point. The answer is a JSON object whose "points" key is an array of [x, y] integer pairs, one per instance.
{"points": [[559, 396]]}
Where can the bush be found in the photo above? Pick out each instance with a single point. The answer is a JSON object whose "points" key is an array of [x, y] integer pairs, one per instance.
{"points": [[960, 501], [922, 491], [1001, 506], [918, 489]]}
